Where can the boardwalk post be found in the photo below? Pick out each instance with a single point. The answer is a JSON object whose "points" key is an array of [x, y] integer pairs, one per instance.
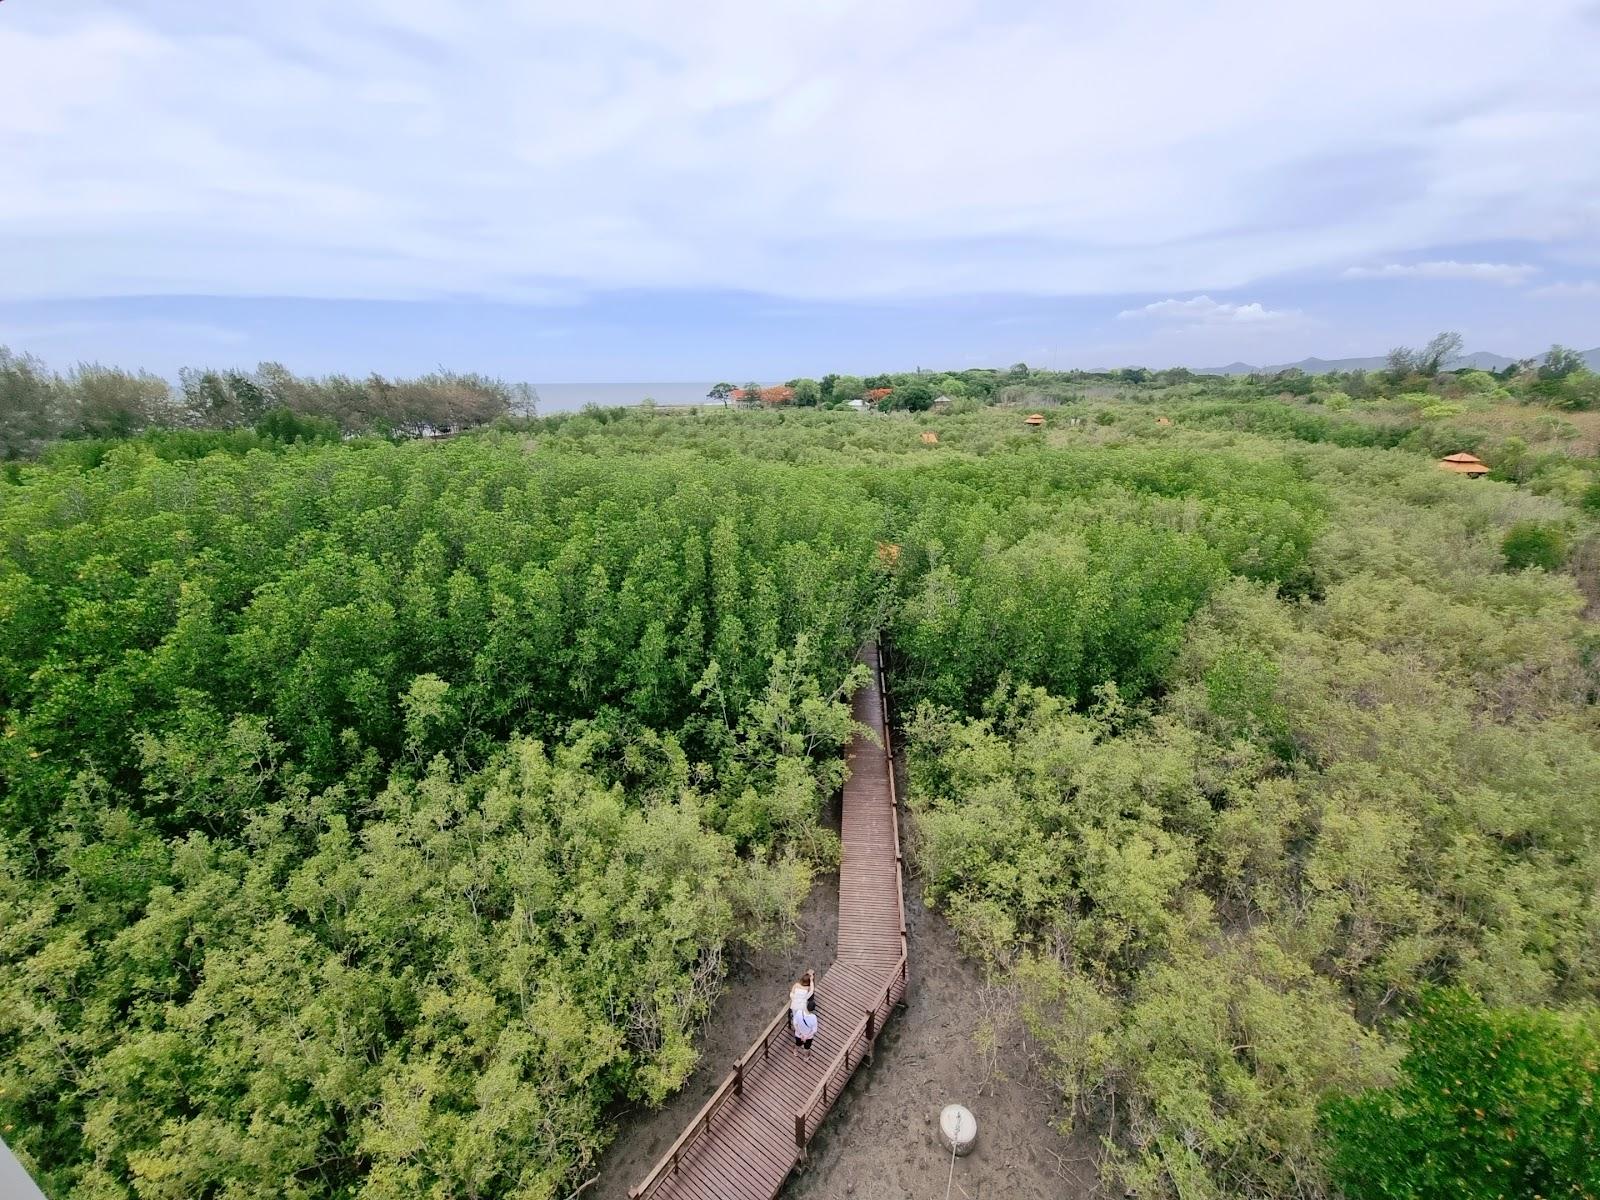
{"points": [[800, 1133], [738, 1078], [872, 1017]]}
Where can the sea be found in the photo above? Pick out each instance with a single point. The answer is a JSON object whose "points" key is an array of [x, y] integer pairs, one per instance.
{"points": [[569, 397]]}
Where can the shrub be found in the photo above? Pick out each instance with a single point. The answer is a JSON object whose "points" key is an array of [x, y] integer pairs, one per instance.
{"points": [[1541, 544], [1490, 1103], [1591, 497]]}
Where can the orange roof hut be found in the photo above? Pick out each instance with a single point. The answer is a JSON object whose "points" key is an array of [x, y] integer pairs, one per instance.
{"points": [[1034, 419], [930, 438], [1163, 421], [1464, 464]]}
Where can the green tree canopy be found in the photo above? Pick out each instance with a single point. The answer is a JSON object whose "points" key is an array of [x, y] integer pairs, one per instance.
{"points": [[1490, 1103]]}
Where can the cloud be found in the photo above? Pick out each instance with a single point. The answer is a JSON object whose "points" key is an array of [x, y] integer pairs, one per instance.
{"points": [[1575, 290], [77, 331], [403, 149], [1483, 272], [1203, 310]]}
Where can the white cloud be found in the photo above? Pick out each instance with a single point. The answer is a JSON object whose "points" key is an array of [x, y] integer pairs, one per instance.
{"points": [[1577, 290], [1482, 272], [853, 148], [1203, 310]]}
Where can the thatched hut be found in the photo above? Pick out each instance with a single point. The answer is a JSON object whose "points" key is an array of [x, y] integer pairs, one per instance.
{"points": [[1035, 420], [1464, 464]]}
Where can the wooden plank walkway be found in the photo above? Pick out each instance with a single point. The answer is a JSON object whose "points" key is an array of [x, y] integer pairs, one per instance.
{"points": [[755, 1128]]}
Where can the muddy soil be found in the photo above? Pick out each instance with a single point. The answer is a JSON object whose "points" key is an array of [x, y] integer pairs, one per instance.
{"points": [[881, 1139]]}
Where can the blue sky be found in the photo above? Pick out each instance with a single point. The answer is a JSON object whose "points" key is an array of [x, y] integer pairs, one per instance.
{"points": [[651, 191]]}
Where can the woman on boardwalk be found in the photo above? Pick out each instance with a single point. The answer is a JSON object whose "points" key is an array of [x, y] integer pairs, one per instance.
{"points": [[802, 1013], [803, 993]]}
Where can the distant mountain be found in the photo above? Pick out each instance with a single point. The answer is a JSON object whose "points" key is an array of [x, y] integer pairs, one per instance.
{"points": [[1480, 359], [1311, 366], [1483, 361]]}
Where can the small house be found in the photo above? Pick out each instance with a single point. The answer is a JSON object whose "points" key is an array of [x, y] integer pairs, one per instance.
{"points": [[942, 402], [1464, 464], [1034, 420], [930, 438], [878, 395]]}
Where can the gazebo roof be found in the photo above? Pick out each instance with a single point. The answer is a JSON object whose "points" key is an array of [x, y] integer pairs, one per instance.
{"points": [[1033, 419], [1463, 457]]}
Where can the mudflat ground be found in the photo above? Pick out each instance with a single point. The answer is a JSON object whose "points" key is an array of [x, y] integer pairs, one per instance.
{"points": [[882, 1138]]}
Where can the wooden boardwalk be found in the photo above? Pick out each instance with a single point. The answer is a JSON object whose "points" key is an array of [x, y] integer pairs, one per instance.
{"points": [[757, 1124]]}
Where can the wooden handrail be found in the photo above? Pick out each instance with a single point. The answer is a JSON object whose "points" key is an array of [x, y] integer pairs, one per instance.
{"points": [[869, 1026], [766, 1036], [802, 1112], [894, 804], [667, 1163]]}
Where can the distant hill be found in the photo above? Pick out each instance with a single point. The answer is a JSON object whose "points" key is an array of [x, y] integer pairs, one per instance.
{"points": [[1480, 359], [1483, 361], [1311, 366]]}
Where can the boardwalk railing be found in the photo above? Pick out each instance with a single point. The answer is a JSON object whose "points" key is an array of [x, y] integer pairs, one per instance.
{"points": [[894, 808], [688, 1154], [730, 1087], [808, 1117]]}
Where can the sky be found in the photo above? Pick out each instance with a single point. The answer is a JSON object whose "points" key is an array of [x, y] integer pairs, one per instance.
{"points": [[655, 191]]}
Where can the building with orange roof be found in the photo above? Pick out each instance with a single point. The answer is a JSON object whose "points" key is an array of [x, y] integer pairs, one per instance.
{"points": [[1464, 464]]}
